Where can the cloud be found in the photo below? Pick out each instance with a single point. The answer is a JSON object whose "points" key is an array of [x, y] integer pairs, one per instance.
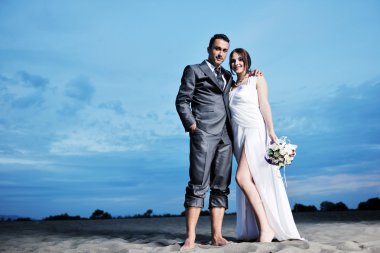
{"points": [[96, 130], [17, 164], [80, 89], [302, 124], [11, 160], [353, 167], [115, 106], [26, 79], [354, 108], [78, 94], [84, 142], [33, 80], [333, 184], [63, 120], [370, 147], [103, 200], [344, 111], [33, 100], [341, 127], [22, 91], [338, 138]]}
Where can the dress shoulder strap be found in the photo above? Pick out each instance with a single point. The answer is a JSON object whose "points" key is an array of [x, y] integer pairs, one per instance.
{"points": [[252, 81]]}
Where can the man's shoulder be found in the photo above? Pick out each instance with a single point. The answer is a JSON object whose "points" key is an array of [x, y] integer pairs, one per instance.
{"points": [[195, 66], [194, 69]]}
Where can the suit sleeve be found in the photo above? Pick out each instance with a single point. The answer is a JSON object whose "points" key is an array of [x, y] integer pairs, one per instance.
{"points": [[184, 97]]}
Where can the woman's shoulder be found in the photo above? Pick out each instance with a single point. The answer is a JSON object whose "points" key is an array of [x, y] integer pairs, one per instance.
{"points": [[256, 81], [252, 80], [259, 80]]}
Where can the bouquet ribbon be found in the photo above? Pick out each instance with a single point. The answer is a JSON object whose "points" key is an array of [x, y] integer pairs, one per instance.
{"points": [[284, 177]]}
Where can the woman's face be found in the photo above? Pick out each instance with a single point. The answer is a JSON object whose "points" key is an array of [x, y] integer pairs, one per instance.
{"points": [[237, 64]]}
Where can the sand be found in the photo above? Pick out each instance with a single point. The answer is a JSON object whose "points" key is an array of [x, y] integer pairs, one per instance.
{"points": [[324, 232]]}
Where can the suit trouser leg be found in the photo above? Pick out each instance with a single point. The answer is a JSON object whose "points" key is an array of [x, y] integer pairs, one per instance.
{"points": [[221, 175], [210, 164]]}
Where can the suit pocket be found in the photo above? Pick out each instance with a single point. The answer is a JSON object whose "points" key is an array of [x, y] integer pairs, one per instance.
{"points": [[203, 112]]}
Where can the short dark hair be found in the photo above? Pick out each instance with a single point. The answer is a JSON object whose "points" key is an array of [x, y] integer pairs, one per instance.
{"points": [[245, 55], [218, 36]]}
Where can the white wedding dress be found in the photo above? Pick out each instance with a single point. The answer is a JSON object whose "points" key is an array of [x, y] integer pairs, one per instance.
{"points": [[250, 132]]}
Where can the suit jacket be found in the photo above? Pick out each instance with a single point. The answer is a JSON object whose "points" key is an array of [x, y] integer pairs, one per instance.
{"points": [[200, 100]]}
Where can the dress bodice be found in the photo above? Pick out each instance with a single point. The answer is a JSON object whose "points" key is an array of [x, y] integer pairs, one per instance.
{"points": [[244, 105]]}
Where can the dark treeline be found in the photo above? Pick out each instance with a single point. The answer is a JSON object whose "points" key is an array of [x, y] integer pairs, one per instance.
{"points": [[325, 206], [64, 216]]}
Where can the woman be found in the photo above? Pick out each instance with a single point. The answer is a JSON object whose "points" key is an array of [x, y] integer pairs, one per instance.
{"points": [[263, 210]]}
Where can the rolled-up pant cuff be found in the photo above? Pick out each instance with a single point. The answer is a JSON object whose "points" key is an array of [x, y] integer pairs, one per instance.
{"points": [[218, 201], [193, 202]]}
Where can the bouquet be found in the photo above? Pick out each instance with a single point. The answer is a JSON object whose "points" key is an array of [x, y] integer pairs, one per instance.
{"points": [[281, 153]]}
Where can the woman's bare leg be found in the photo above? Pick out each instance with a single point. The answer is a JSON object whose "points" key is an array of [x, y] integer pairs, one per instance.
{"points": [[247, 185]]}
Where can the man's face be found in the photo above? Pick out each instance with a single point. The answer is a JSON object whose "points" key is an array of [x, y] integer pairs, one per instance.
{"points": [[218, 52]]}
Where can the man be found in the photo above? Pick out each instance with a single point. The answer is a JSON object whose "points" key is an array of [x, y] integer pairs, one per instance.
{"points": [[202, 105]]}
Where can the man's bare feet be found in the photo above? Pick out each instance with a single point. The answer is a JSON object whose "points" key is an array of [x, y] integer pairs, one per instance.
{"points": [[266, 236], [220, 241], [188, 245]]}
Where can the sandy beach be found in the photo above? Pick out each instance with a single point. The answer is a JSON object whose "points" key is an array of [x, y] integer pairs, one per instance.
{"points": [[354, 231]]}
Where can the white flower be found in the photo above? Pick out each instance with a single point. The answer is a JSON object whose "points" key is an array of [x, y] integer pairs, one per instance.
{"points": [[274, 147], [287, 159], [281, 153]]}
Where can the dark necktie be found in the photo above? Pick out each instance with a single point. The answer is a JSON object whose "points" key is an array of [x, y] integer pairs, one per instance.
{"points": [[219, 77]]}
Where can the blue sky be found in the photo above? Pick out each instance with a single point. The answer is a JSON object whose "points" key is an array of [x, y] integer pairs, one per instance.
{"points": [[87, 91]]}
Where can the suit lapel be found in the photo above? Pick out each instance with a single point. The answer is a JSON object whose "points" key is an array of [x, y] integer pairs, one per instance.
{"points": [[206, 69], [226, 92], [229, 80]]}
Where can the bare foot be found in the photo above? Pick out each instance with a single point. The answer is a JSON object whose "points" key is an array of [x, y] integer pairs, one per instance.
{"points": [[220, 241], [266, 236], [188, 245]]}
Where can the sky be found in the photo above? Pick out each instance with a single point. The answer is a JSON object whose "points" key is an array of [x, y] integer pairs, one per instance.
{"points": [[87, 99]]}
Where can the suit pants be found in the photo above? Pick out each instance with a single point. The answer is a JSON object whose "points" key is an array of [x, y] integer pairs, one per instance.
{"points": [[210, 167]]}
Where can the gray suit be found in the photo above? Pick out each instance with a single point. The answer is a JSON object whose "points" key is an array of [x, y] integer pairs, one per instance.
{"points": [[202, 101]]}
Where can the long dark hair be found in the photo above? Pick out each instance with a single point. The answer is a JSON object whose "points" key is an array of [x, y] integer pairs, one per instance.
{"points": [[246, 58]]}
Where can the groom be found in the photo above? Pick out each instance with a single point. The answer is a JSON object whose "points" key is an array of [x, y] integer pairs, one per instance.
{"points": [[202, 105]]}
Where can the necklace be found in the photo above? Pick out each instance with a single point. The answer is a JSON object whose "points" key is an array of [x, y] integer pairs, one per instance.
{"points": [[241, 82]]}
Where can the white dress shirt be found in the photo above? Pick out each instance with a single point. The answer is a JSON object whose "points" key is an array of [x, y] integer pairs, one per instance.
{"points": [[212, 67]]}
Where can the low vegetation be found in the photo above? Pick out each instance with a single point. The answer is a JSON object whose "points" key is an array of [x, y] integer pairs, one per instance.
{"points": [[98, 214]]}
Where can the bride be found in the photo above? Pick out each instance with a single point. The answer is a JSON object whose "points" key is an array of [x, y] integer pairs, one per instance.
{"points": [[263, 210]]}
